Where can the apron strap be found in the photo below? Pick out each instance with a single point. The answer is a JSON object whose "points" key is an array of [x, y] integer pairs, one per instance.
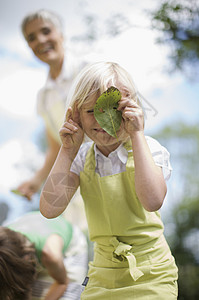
{"points": [[130, 162], [89, 165], [124, 251]]}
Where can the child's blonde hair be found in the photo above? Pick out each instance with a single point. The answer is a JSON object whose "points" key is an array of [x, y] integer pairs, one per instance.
{"points": [[95, 79]]}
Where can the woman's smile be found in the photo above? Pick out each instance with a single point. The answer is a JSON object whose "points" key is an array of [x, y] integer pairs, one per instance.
{"points": [[45, 48]]}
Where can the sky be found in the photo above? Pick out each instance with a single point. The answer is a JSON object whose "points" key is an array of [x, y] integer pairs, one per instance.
{"points": [[169, 97]]}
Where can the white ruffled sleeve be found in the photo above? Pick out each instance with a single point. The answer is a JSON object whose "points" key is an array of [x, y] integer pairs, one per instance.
{"points": [[161, 156]]}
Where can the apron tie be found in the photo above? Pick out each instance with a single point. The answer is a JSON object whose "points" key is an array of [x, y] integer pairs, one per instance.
{"points": [[123, 251]]}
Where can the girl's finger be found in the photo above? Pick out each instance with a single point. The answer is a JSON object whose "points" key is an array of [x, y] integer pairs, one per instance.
{"points": [[127, 103], [68, 114], [130, 115], [70, 124], [76, 114], [73, 124], [70, 129]]}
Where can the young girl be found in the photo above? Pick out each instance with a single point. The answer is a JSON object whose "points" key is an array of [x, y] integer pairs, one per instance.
{"points": [[41, 259], [122, 181]]}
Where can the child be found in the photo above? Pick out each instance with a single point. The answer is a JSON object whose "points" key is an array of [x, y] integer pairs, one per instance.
{"points": [[122, 182], [41, 259]]}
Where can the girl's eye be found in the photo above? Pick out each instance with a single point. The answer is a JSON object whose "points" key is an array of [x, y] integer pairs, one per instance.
{"points": [[127, 95], [46, 30], [90, 111]]}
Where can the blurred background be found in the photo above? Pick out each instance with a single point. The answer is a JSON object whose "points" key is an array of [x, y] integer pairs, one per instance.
{"points": [[157, 42]]}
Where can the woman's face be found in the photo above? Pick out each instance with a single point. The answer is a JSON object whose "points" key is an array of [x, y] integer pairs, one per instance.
{"points": [[45, 41]]}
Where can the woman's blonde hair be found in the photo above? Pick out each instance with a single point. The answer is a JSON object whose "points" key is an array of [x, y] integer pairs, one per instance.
{"points": [[95, 79], [44, 15]]}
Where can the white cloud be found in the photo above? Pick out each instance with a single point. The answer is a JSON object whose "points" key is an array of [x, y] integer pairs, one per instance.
{"points": [[18, 91], [18, 159]]}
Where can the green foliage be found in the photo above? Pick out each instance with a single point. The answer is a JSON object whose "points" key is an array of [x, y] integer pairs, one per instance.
{"points": [[178, 20], [188, 282], [187, 225], [106, 113], [186, 246], [182, 142], [16, 192]]}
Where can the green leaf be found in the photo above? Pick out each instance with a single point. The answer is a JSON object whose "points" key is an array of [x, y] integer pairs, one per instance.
{"points": [[15, 191], [106, 113]]}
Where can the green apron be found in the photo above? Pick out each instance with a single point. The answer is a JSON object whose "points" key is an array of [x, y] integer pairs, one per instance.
{"points": [[132, 259]]}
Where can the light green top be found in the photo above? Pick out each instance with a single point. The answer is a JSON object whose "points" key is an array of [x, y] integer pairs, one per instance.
{"points": [[37, 229]]}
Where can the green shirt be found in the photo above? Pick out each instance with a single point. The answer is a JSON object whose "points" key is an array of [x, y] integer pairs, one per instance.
{"points": [[37, 229]]}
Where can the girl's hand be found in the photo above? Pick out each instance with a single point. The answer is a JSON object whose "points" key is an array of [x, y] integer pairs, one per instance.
{"points": [[71, 133], [133, 116]]}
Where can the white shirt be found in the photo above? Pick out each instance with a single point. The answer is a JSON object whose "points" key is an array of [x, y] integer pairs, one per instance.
{"points": [[116, 161], [52, 98]]}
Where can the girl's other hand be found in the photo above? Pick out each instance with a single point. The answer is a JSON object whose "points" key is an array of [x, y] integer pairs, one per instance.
{"points": [[71, 133], [132, 114]]}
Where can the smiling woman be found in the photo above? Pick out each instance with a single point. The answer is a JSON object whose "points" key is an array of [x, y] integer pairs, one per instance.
{"points": [[46, 41], [43, 33]]}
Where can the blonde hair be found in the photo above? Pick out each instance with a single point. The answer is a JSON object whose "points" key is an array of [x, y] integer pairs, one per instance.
{"points": [[44, 15], [95, 79]]}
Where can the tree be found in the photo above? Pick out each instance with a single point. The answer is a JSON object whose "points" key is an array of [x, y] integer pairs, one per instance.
{"points": [[182, 141], [185, 247], [178, 22], [182, 220]]}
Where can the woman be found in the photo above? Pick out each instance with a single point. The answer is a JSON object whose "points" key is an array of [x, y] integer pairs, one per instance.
{"points": [[44, 35]]}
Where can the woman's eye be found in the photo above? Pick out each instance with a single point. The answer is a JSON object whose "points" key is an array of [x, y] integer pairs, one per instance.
{"points": [[30, 38], [90, 111]]}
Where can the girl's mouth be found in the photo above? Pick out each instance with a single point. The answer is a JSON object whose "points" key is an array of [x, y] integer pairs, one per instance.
{"points": [[99, 130]]}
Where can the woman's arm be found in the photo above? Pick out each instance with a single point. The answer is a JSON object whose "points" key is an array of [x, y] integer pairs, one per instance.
{"points": [[52, 260], [30, 187], [61, 184], [52, 151]]}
